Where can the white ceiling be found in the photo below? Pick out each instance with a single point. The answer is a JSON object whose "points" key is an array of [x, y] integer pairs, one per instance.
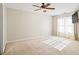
{"points": [[60, 8]]}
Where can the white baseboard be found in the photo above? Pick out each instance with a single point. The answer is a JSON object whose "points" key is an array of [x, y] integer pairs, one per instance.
{"points": [[39, 37], [16, 40]]}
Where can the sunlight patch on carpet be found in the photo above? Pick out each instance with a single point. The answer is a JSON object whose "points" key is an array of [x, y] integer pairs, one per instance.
{"points": [[58, 43]]}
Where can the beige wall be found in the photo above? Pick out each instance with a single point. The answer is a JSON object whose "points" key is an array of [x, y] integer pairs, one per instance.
{"points": [[21, 24], [54, 25]]}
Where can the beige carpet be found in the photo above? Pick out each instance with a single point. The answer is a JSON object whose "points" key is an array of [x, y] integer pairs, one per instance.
{"points": [[39, 47]]}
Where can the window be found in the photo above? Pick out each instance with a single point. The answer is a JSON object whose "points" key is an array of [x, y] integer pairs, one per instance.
{"points": [[65, 25]]}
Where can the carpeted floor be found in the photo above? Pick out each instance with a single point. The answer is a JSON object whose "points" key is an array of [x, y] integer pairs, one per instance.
{"points": [[47, 46]]}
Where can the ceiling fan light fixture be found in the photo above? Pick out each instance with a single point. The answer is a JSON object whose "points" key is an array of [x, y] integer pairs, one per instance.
{"points": [[44, 10], [44, 7]]}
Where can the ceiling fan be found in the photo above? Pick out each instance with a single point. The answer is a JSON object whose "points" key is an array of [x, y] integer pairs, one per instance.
{"points": [[44, 6]]}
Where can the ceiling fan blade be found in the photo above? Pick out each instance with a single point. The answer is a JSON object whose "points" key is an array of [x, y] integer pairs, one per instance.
{"points": [[37, 6], [37, 9], [48, 4], [50, 8]]}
